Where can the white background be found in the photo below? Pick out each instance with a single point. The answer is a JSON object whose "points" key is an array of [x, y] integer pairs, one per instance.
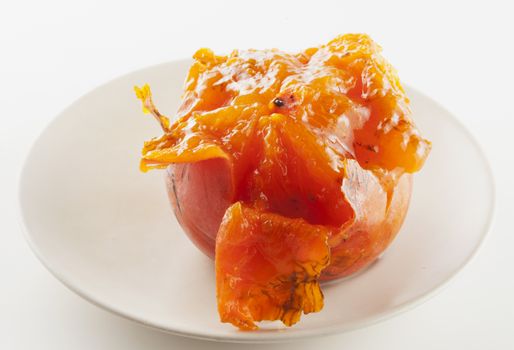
{"points": [[51, 52]]}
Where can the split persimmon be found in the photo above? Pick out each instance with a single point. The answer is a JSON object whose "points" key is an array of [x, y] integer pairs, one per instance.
{"points": [[288, 169]]}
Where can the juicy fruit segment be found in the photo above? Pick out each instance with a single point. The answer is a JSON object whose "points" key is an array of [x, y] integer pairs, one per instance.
{"points": [[315, 149], [292, 176], [267, 267], [344, 93]]}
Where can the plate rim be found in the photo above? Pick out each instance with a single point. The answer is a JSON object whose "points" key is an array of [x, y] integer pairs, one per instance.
{"points": [[257, 337]]}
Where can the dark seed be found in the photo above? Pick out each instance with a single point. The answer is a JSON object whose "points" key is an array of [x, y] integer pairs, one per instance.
{"points": [[278, 102]]}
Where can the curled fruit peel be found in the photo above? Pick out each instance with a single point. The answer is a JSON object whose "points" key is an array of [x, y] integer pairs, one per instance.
{"points": [[287, 125], [268, 266]]}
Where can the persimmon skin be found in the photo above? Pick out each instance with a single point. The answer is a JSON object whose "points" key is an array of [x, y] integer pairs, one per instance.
{"points": [[200, 193], [376, 223]]}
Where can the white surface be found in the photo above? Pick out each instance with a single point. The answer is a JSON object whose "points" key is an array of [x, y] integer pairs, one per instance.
{"points": [[54, 51], [106, 230]]}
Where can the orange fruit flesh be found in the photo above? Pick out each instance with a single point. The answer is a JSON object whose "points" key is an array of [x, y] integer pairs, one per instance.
{"points": [[268, 266], [287, 126]]}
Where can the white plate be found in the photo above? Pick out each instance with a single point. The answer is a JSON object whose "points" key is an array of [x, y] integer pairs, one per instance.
{"points": [[107, 232]]}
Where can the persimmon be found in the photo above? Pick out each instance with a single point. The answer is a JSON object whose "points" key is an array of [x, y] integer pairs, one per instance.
{"points": [[288, 169]]}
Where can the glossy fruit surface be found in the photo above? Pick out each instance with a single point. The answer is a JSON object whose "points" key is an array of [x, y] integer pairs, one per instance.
{"points": [[270, 146]]}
